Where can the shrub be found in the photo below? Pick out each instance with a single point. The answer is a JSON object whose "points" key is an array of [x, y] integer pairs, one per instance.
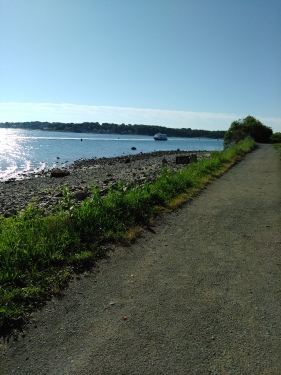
{"points": [[275, 138], [249, 127]]}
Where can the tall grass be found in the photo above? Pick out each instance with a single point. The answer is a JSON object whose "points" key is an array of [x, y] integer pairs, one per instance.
{"points": [[39, 253], [277, 146]]}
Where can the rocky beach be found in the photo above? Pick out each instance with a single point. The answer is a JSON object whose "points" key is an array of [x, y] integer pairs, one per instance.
{"points": [[45, 190]]}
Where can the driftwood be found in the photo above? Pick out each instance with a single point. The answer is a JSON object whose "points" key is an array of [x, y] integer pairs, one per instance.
{"points": [[186, 159], [59, 173]]}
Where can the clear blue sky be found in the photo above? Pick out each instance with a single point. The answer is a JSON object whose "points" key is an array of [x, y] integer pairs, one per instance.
{"points": [[177, 63]]}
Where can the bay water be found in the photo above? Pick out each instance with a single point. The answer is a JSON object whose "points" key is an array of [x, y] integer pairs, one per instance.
{"points": [[31, 151]]}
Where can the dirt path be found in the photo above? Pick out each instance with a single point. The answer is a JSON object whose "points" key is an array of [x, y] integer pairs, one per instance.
{"points": [[201, 295]]}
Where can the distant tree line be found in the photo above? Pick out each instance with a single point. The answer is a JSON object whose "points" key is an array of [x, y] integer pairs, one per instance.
{"points": [[109, 128]]}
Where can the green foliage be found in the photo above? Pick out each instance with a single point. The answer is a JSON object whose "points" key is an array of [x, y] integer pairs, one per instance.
{"points": [[248, 127], [39, 253], [277, 147], [275, 138]]}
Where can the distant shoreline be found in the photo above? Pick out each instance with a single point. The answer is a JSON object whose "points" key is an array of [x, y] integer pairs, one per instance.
{"points": [[111, 128]]}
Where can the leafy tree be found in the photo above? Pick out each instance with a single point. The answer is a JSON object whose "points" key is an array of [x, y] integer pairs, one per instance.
{"points": [[247, 127], [276, 138]]}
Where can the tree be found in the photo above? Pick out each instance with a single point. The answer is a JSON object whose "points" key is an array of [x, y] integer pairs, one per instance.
{"points": [[247, 127], [276, 138]]}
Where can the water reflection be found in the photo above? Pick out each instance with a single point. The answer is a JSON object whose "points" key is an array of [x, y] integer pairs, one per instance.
{"points": [[15, 154]]}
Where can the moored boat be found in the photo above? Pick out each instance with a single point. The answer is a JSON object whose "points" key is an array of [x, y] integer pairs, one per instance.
{"points": [[160, 137]]}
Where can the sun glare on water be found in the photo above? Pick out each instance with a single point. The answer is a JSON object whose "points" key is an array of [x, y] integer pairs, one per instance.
{"points": [[11, 153], [8, 141]]}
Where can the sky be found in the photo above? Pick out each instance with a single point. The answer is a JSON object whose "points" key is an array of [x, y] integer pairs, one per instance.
{"points": [[197, 64]]}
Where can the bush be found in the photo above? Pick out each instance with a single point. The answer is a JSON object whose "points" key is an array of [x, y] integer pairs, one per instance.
{"points": [[275, 138], [248, 127]]}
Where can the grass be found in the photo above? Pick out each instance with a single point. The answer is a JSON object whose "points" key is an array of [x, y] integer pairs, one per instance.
{"points": [[277, 146], [39, 253]]}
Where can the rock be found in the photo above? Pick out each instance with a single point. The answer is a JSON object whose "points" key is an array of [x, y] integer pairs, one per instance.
{"points": [[108, 180], [10, 212], [80, 195], [184, 159], [59, 173], [133, 148], [193, 158]]}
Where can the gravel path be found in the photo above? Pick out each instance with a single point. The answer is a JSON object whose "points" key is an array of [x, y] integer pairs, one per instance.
{"points": [[197, 294]]}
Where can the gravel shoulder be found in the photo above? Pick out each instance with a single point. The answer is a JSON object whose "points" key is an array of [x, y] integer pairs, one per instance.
{"points": [[197, 294]]}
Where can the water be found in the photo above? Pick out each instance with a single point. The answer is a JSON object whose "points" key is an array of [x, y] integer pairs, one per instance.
{"points": [[27, 151]]}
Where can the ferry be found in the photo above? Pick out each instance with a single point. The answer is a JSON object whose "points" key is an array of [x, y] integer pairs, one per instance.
{"points": [[160, 137]]}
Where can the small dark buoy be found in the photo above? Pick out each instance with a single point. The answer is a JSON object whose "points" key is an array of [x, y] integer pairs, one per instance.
{"points": [[133, 148]]}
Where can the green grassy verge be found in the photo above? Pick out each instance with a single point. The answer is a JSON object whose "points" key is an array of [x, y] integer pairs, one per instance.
{"points": [[39, 254], [277, 146]]}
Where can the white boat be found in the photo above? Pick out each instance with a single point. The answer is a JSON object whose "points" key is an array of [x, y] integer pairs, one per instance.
{"points": [[160, 137]]}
